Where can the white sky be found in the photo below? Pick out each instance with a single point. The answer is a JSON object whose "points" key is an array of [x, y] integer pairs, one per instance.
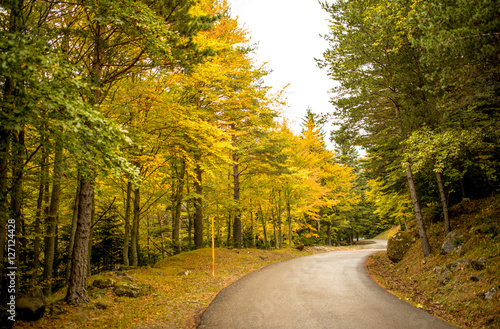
{"points": [[288, 37]]}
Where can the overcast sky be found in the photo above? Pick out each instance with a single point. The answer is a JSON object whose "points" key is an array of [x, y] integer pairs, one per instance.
{"points": [[288, 37]]}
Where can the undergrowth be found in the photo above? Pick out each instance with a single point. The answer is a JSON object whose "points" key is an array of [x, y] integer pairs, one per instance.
{"points": [[456, 298]]}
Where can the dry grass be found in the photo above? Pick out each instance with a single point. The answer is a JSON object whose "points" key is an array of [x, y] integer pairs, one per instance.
{"points": [[183, 288]]}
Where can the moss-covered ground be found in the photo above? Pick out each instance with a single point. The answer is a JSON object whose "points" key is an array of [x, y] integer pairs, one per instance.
{"points": [[455, 299]]}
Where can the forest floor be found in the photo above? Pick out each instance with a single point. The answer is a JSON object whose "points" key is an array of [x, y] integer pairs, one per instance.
{"points": [[454, 298], [183, 287]]}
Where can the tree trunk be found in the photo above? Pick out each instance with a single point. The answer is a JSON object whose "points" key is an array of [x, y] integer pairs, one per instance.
{"points": [[126, 240], [462, 189], [264, 228], [236, 194], [275, 230], [426, 249], [252, 229], [418, 214], [51, 220], [4, 205], [13, 12], [74, 223], [198, 204], [148, 252], [18, 147], [163, 254], [38, 214], [134, 241], [177, 209], [280, 233], [228, 240], [190, 220], [444, 203], [289, 215], [328, 234], [77, 288], [219, 235], [89, 252]]}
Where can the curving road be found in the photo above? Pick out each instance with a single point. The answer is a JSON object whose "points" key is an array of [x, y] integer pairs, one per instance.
{"points": [[328, 290]]}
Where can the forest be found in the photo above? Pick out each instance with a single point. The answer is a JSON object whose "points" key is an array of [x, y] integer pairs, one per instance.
{"points": [[133, 130]]}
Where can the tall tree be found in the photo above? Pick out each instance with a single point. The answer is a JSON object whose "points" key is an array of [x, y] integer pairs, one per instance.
{"points": [[379, 73], [116, 39]]}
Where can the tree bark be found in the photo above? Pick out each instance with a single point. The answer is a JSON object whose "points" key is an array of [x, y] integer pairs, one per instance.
{"points": [[264, 228], [163, 253], [426, 249], [134, 241], [177, 209], [126, 240], [74, 224], [280, 232], [328, 234], [444, 203], [89, 252], [18, 147], [51, 220], [289, 215], [275, 230], [252, 229], [38, 214], [4, 204], [77, 288], [236, 196], [198, 204], [228, 240]]}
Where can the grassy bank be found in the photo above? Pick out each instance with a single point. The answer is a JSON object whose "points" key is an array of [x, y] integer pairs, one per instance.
{"points": [[455, 298], [183, 287]]}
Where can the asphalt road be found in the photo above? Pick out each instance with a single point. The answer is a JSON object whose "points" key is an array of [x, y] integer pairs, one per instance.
{"points": [[328, 290]]}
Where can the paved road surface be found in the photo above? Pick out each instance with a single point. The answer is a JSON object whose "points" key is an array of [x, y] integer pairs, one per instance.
{"points": [[328, 290]]}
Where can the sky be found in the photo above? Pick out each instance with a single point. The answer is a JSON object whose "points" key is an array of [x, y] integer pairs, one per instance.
{"points": [[287, 33]]}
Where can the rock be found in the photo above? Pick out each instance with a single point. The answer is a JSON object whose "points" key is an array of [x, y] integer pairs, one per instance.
{"points": [[398, 245], [300, 247], [134, 290], [444, 281], [445, 276], [186, 273], [454, 265], [479, 264], [101, 306], [438, 269], [445, 273], [125, 276], [57, 309], [488, 294], [476, 278], [31, 307], [452, 243], [103, 283]]}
